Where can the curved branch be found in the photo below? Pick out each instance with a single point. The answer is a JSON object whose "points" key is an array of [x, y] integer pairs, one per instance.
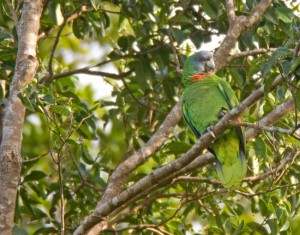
{"points": [[266, 128], [230, 12], [124, 169], [272, 117], [111, 201], [119, 176], [86, 70], [234, 32], [67, 19], [253, 52]]}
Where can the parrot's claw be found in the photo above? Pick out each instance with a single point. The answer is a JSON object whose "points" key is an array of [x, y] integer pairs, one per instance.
{"points": [[222, 113], [209, 130]]}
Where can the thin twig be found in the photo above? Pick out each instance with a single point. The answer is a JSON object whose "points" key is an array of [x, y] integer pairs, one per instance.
{"points": [[263, 128], [136, 100], [61, 27], [249, 195], [71, 17], [85, 70], [61, 192], [174, 51], [14, 14], [35, 158], [248, 53], [297, 49], [230, 12]]}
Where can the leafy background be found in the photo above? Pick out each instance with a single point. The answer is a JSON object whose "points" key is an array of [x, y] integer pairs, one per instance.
{"points": [[72, 141]]}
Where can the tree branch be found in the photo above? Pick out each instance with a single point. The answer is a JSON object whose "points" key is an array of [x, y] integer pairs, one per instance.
{"points": [[86, 70], [206, 159], [123, 172], [119, 176], [10, 149], [111, 200], [267, 128], [230, 12], [272, 117], [248, 53], [283, 165], [234, 32], [67, 19], [297, 49]]}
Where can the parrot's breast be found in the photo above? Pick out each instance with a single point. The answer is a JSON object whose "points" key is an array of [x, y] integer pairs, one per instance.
{"points": [[204, 103]]}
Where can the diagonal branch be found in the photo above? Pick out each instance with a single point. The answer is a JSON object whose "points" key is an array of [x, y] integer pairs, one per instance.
{"points": [[60, 29], [208, 158], [241, 24], [267, 128], [119, 176], [169, 171], [272, 117], [86, 70], [123, 170], [230, 12]]}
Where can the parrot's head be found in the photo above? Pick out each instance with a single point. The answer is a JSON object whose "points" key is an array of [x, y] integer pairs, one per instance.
{"points": [[198, 66]]}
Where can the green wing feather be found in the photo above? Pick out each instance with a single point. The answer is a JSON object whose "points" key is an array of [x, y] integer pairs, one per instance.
{"points": [[233, 168], [201, 106]]}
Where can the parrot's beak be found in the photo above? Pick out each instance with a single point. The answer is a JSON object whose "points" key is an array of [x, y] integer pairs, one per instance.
{"points": [[210, 66]]}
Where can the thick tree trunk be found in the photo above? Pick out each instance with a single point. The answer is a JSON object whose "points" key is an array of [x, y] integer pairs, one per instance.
{"points": [[10, 149]]}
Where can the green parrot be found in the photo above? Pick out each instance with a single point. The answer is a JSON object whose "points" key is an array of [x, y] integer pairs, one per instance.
{"points": [[206, 97]]}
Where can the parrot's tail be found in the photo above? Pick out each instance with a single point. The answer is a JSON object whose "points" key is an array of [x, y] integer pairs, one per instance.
{"points": [[232, 175]]}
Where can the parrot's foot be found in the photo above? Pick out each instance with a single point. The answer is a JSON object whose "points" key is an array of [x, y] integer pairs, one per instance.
{"points": [[209, 130], [222, 113]]}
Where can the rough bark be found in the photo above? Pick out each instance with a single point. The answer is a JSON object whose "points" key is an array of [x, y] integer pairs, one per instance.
{"points": [[10, 149]]}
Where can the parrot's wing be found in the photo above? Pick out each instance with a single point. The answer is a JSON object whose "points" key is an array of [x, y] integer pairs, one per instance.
{"points": [[232, 101], [188, 119]]}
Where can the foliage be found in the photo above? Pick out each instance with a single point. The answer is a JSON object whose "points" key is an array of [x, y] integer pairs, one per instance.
{"points": [[72, 142]]}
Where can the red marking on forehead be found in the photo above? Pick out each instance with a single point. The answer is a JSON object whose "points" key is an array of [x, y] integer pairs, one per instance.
{"points": [[198, 77], [239, 119]]}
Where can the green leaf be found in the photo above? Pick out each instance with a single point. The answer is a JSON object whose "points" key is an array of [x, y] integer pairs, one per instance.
{"points": [[263, 207], [296, 96], [273, 226], [177, 147], [26, 102], [96, 3], [239, 228], [178, 35], [209, 9], [284, 14], [215, 230], [34, 176], [266, 67], [253, 225], [295, 64], [270, 15], [80, 27], [268, 84], [260, 148], [7, 53], [86, 156], [61, 109], [45, 231], [48, 99]]}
